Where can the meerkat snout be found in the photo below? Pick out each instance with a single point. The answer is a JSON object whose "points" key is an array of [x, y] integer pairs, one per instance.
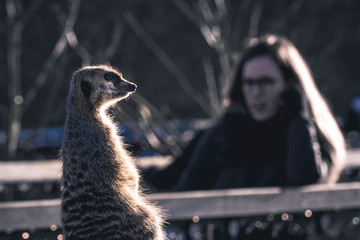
{"points": [[124, 88], [132, 87], [128, 86]]}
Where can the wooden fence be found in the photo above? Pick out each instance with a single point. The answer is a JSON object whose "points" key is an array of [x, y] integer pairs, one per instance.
{"points": [[216, 204], [205, 204]]}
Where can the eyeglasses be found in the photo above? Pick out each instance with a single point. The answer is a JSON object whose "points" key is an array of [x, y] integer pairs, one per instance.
{"points": [[263, 83]]}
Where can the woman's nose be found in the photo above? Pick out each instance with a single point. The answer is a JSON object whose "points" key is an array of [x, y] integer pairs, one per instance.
{"points": [[255, 89]]}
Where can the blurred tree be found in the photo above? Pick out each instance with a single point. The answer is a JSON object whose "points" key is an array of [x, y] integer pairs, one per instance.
{"points": [[16, 21], [223, 24], [179, 52]]}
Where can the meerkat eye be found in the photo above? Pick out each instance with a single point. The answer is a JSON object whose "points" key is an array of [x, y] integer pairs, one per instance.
{"points": [[112, 77]]}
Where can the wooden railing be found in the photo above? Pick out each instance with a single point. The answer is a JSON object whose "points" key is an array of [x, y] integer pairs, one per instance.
{"points": [[205, 204], [181, 206]]}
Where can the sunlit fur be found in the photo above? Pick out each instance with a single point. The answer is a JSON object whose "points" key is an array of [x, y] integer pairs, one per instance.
{"points": [[296, 72], [101, 198]]}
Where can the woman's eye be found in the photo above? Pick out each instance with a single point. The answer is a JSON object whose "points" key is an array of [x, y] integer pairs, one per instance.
{"points": [[266, 81], [260, 82]]}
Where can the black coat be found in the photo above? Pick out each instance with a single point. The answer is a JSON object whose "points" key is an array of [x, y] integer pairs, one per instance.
{"points": [[239, 152]]}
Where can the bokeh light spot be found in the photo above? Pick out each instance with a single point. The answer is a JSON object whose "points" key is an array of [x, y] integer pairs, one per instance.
{"points": [[258, 224], [285, 216], [25, 235], [270, 217], [196, 219], [53, 228], [308, 213]]}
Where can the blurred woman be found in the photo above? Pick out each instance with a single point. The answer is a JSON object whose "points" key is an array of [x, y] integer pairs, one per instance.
{"points": [[277, 129]]}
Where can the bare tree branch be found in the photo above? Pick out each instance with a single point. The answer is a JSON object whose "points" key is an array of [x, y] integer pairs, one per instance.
{"points": [[206, 12], [168, 63], [30, 12], [187, 11], [74, 44], [164, 137], [208, 34], [159, 132], [210, 18], [212, 88], [140, 100], [48, 112], [211, 29], [71, 38], [290, 12], [59, 48], [208, 23], [221, 9], [114, 43], [60, 15], [14, 37], [205, 24], [255, 19]]}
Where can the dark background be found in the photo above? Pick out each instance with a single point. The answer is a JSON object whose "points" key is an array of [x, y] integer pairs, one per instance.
{"points": [[160, 46]]}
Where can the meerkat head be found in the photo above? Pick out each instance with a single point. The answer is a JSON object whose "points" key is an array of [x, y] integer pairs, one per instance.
{"points": [[100, 85]]}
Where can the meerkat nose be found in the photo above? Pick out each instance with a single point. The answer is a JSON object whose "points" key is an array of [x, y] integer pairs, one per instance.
{"points": [[132, 87]]}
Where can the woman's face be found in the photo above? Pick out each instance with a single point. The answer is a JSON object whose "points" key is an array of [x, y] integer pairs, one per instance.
{"points": [[262, 85]]}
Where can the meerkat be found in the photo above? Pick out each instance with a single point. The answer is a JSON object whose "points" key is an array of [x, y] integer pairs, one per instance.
{"points": [[101, 197]]}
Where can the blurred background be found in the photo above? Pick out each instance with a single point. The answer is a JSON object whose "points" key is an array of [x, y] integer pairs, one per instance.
{"points": [[180, 53]]}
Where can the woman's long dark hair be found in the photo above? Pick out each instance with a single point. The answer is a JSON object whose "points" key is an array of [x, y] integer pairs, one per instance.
{"points": [[296, 73]]}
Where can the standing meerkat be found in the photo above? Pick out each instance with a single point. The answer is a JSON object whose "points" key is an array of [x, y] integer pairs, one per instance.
{"points": [[101, 198]]}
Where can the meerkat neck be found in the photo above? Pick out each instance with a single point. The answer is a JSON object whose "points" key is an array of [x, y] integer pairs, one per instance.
{"points": [[93, 141], [100, 148]]}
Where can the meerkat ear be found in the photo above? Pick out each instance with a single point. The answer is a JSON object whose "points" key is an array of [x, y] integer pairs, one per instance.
{"points": [[85, 88]]}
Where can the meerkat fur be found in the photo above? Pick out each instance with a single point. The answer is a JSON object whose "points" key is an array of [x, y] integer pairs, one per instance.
{"points": [[101, 197]]}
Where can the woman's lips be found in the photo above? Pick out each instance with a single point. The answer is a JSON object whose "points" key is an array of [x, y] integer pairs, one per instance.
{"points": [[258, 107]]}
